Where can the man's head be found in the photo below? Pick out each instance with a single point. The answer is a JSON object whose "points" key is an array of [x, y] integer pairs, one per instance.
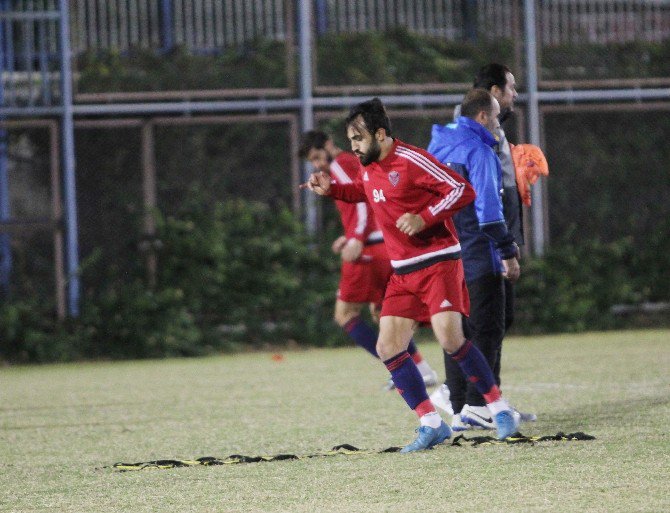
{"points": [[368, 126], [314, 147], [499, 81], [482, 106]]}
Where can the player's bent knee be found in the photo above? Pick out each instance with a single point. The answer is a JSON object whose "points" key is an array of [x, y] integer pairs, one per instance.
{"points": [[452, 345], [448, 330], [394, 336], [385, 351], [345, 312]]}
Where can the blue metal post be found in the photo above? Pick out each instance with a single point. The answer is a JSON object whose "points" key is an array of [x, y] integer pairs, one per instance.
{"points": [[67, 141], [167, 34], [5, 243], [537, 210], [321, 17], [470, 8], [306, 99]]}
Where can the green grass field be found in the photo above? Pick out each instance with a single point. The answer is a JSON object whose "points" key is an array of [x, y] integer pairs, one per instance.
{"points": [[60, 423]]}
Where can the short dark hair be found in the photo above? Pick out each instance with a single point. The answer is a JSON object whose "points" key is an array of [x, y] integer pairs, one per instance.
{"points": [[490, 75], [475, 101], [373, 113], [314, 139]]}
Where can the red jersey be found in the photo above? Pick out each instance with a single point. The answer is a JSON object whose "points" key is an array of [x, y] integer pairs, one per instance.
{"points": [[410, 179], [357, 218]]}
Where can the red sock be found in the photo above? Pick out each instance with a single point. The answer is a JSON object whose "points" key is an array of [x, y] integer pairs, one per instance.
{"points": [[424, 408]]}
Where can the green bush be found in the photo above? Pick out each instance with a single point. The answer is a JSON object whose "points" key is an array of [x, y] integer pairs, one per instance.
{"points": [[634, 60], [248, 272], [128, 320], [400, 57], [651, 262], [574, 287], [29, 333], [231, 273], [258, 64], [393, 57]]}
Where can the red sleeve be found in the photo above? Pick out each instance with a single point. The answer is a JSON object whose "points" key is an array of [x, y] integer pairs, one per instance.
{"points": [[349, 192], [452, 191]]}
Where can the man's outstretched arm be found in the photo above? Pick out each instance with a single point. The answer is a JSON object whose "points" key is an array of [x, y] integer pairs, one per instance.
{"points": [[321, 184]]}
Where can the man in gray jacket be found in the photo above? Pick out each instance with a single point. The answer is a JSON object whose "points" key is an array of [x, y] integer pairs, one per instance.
{"points": [[499, 81]]}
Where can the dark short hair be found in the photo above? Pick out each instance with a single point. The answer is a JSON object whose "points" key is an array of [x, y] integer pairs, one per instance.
{"points": [[490, 75], [475, 101], [314, 139], [373, 114]]}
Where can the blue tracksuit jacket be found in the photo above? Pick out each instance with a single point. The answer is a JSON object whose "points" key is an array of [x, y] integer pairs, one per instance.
{"points": [[467, 147]]}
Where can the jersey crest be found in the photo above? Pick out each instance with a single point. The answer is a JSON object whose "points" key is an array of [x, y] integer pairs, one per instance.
{"points": [[394, 178]]}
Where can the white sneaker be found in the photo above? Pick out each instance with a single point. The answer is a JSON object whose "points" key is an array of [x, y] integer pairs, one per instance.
{"points": [[429, 379], [457, 424], [440, 399], [390, 385], [477, 416], [524, 416]]}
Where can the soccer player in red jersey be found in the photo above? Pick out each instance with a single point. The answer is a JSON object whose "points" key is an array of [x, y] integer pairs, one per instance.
{"points": [[365, 267], [414, 196]]}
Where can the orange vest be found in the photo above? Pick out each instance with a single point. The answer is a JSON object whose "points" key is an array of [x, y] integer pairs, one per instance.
{"points": [[529, 164]]}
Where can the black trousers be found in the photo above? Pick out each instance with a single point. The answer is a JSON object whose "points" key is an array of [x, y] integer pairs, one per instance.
{"points": [[509, 320], [485, 328]]}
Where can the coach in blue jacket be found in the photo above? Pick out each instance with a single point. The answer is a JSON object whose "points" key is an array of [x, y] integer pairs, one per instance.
{"points": [[489, 251]]}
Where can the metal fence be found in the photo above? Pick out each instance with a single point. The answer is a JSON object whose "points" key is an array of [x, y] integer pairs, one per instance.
{"points": [[450, 19], [199, 25], [603, 21], [209, 25], [560, 21], [29, 57]]}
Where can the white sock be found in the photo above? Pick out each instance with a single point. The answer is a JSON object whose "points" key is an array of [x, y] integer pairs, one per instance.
{"points": [[431, 419], [497, 406], [440, 399]]}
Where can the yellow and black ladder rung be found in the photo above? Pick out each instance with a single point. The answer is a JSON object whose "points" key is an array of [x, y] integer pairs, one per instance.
{"points": [[344, 449]]}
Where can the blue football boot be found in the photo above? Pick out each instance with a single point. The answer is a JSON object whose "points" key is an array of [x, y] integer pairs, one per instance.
{"points": [[428, 438], [506, 424]]}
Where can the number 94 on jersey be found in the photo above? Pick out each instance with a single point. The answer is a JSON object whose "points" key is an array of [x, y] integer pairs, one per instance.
{"points": [[378, 195]]}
